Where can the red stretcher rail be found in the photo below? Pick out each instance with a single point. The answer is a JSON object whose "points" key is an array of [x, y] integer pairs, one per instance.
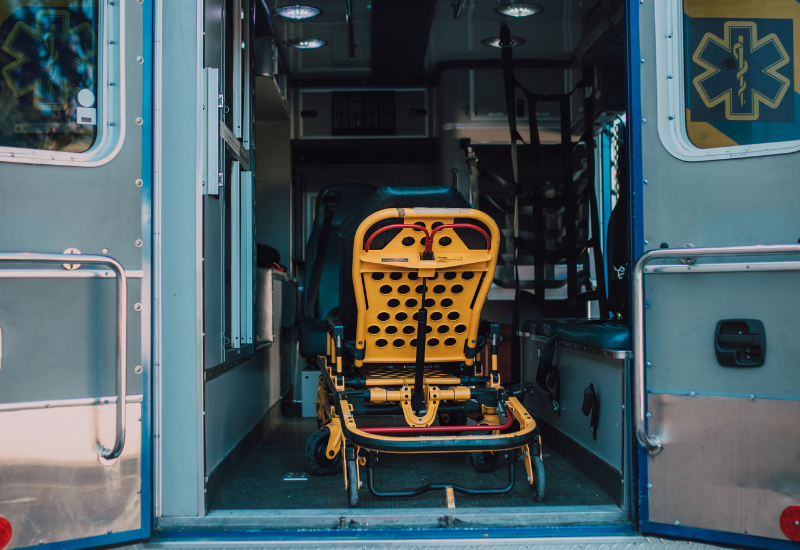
{"points": [[397, 226], [440, 429], [429, 241]]}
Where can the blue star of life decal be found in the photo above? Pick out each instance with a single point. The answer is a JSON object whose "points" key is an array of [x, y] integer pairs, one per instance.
{"points": [[52, 56], [741, 70]]}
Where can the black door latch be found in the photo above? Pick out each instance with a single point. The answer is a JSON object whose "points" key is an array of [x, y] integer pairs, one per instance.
{"points": [[740, 343]]}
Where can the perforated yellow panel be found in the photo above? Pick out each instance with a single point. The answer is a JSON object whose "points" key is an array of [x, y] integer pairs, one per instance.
{"points": [[388, 285]]}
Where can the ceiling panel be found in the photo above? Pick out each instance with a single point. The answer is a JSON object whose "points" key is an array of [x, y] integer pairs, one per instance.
{"points": [[552, 34]]}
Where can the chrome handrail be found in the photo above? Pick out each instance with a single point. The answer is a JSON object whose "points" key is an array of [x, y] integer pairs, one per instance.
{"points": [[122, 328], [653, 443]]}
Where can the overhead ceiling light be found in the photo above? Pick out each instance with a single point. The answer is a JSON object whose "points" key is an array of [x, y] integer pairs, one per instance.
{"points": [[519, 10], [306, 43], [298, 12], [494, 42]]}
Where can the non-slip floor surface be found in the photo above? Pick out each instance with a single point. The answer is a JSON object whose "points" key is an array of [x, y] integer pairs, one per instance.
{"points": [[258, 481]]}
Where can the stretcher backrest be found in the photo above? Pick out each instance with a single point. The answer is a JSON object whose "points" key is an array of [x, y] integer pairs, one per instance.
{"points": [[388, 269]]}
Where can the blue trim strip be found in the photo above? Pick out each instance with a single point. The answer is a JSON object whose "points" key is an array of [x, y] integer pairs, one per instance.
{"points": [[635, 224], [396, 534], [113, 539], [721, 537], [148, 24]]}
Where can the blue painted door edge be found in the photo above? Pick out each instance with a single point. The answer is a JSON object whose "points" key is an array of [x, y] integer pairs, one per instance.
{"points": [[148, 41]]}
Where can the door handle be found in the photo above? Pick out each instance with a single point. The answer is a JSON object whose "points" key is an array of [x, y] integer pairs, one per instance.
{"points": [[652, 443], [122, 330]]}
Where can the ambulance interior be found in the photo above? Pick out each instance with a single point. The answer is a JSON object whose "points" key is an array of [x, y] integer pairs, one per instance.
{"points": [[368, 94]]}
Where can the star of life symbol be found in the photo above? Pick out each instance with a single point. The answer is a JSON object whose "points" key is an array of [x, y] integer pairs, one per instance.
{"points": [[749, 74], [50, 59]]}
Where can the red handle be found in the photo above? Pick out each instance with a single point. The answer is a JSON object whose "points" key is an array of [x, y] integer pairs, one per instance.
{"points": [[396, 226], [429, 242]]}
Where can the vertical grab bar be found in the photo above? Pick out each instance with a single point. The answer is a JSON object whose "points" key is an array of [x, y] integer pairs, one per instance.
{"points": [[122, 329], [652, 443]]}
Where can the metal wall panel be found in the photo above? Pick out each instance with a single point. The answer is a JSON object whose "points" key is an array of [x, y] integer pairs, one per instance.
{"points": [[53, 487], [682, 317], [51, 208], [234, 403], [578, 370], [737, 461], [59, 338], [178, 344], [716, 203], [213, 285]]}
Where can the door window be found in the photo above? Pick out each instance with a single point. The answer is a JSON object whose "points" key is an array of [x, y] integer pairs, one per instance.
{"points": [[49, 60], [727, 77], [740, 73]]}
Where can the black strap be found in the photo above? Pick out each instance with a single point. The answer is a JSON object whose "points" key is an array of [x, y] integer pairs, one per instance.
{"points": [[312, 292], [509, 85], [418, 398], [591, 406], [548, 377], [617, 242]]}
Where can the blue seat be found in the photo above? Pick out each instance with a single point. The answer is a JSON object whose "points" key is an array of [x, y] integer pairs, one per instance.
{"points": [[595, 333], [343, 199]]}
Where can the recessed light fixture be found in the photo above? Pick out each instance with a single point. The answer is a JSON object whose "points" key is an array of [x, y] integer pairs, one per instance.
{"points": [[494, 42], [298, 12], [306, 43], [519, 10]]}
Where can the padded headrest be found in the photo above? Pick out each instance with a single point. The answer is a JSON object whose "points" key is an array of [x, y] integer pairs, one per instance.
{"points": [[402, 197]]}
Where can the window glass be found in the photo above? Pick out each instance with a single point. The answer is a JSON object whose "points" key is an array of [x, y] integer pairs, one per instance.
{"points": [[48, 74], [740, 60]]}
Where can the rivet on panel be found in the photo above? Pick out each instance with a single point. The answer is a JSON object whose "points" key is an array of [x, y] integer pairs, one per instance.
{"points": [[649, 364], [139, 120], [137, 306], [138, 243], [646, 241], [677, 522], [646, 182], [649, 485], [692, 394], [139, 59], [649, 415], [643, 60], [138, 369], [671, 117], [105, 251], [647, 305], [138, 182], [644, 121]]}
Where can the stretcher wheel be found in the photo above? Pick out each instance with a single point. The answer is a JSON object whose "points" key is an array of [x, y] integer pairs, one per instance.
{"points": [[352, 483], [538, 487], [317, 462], [483, 461]]}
